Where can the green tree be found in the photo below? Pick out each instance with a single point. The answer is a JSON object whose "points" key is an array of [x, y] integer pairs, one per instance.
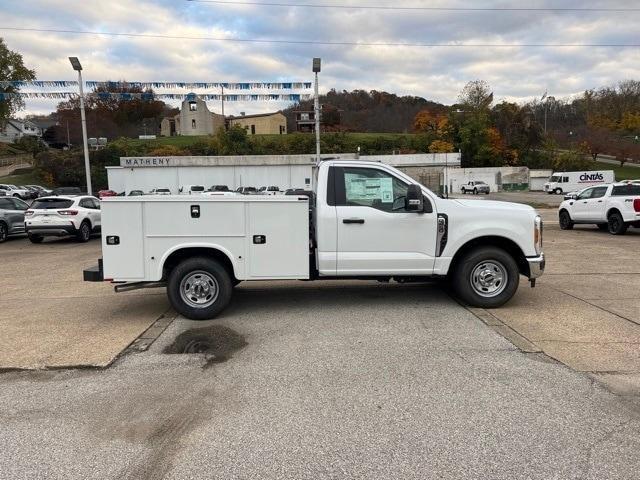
{"points": [[12, 69]]}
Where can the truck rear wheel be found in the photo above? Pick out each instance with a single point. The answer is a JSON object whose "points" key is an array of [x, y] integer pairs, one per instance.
{"points": [[486, 277], [199, 288]]}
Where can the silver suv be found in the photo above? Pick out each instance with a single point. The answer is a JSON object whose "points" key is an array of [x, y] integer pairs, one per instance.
{"points": [[11, 217]]}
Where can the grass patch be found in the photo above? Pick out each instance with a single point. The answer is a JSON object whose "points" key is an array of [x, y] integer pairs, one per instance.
{"points": [[22, 179], [621, 173]]}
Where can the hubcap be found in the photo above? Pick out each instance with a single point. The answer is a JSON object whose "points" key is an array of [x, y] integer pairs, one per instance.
{"points": [[199, 289], [489, 278]]}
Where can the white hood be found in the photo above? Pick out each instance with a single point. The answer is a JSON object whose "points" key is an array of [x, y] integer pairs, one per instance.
{"points": [[494, 205]]}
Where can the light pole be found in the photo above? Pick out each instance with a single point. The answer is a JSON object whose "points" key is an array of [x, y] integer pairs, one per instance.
{"points": [[75, 63], [316, 108], [546, 106]]}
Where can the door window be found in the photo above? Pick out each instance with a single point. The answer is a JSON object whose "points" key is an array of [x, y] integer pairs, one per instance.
{"points": [[586, 194], [86, 203], [5, 204], [598, 192], [369, 187]]}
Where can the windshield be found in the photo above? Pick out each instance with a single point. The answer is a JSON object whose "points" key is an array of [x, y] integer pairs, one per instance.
{"points": [[554, 178], [163, 190], [480, 183], [51, 203], [197, 188], [250, 189]]}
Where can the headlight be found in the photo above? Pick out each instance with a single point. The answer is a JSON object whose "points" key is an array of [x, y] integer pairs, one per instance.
{"points": [[537, 234]]}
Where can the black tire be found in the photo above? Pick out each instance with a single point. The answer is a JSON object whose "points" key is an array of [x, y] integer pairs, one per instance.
{"points": [[615, 224], [484, 259], [603, 226], [463, 190], [35, 238], [213, 275], [4, 232], [558, 191], [487, 192], [565, 220], [475, 191], [84, 232]]}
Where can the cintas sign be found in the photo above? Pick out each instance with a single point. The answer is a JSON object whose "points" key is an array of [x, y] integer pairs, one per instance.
{"points": [[145, 162], [592, 177]]}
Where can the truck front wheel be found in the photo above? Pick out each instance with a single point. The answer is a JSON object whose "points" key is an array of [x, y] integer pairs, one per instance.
{"points": [[199, 288], [486, 277]]}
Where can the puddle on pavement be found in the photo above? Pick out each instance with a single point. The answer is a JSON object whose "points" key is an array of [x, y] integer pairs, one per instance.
{"points": [[217, 342]]}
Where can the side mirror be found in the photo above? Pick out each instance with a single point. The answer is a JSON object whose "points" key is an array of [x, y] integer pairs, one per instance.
{"points": [[574, 197], [414, 201]]}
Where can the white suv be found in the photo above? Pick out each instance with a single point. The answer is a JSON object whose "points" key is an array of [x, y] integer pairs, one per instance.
{"points": [[63, 215]]}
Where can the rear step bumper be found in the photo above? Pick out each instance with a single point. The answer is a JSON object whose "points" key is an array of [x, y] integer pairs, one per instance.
{"points": [[94, 274]]}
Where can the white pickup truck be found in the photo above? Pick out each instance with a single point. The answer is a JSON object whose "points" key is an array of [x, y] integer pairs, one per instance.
{"points": [[612, 207], [364, 220]]}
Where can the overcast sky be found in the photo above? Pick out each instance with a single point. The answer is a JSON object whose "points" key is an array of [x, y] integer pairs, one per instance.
{"points": [[514, 73]]}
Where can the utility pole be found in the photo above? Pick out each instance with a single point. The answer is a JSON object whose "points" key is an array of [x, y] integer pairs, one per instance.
{"points": [[316, 107], [75, 63]]}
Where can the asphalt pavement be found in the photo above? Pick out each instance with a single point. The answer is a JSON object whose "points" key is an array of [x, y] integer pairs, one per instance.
{"points": [[337, 380]]}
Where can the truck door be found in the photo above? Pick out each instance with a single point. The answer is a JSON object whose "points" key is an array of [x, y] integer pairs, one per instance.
{"points": [[595, 206], [375, 234], [580, 209]]}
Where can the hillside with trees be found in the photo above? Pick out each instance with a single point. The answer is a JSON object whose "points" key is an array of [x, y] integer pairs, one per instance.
{"points": [[362, 111]]}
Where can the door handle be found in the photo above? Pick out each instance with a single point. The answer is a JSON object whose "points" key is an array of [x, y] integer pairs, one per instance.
{"points": [[353, 220], [599, 201]]}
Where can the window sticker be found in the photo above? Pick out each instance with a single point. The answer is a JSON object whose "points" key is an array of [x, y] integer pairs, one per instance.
{"points": [[368, 189]]}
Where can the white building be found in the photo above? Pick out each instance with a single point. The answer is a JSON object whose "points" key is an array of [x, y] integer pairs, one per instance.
{"points": [[14, 130], [284, 171]]}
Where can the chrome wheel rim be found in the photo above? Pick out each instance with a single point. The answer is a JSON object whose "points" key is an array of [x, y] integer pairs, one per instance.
{"points": [[199, 289], [489, 278]]}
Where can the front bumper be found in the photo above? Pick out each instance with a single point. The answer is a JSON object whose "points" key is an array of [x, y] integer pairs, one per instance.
{"points": [[536, 266]]}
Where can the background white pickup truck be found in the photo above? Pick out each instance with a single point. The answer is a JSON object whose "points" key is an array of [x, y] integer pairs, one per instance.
{"points": [[612, 207], [364, 220], [475, 187]]}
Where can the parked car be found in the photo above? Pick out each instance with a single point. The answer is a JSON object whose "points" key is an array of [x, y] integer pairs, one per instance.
{"points": [[475, 187], [136, 193], [67, 191], [160, 191], [372, 221], [107, 193], [13, 191], [613, 207], [219, 188], [33, 193], [192, 189], [247, 190], [63, 215], [42, 191], [11, 217], [272, 190]]}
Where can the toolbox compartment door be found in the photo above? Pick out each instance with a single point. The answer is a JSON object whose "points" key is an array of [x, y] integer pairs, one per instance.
{"points": [[278, 239], [122, 240]]}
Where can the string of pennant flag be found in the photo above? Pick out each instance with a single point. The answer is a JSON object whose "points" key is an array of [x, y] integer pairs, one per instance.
{"points": [[290, 97], [187, 85]]}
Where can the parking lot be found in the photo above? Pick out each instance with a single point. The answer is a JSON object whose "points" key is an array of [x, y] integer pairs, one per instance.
{"points": [[325, 379]]}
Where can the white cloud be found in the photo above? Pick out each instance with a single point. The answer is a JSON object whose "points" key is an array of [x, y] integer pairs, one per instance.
{"points": [[516, 73]]}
